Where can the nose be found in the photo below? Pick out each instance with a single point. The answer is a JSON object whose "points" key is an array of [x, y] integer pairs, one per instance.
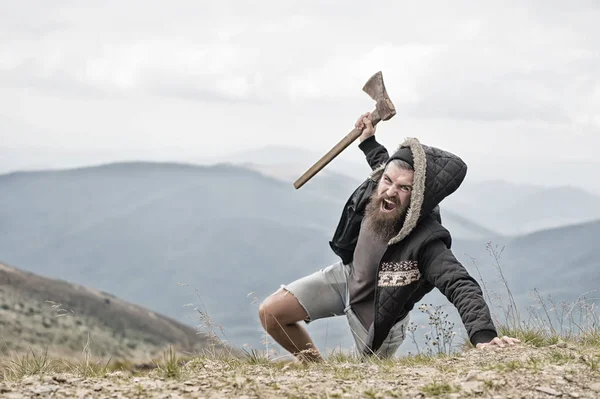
{"points": [[391, 192]]}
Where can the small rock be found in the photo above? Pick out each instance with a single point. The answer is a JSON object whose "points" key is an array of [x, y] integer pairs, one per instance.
{"points": [[28, 381], [472, 386], [44, 389], [239, 382], [4, 388], [472, 375], [189, 383], [454, 396], [561, 344], [549, 391], [59, 378], [97, 387], [574, 395], [595, 387], [488, 375], [244, 397], [426, 371]]}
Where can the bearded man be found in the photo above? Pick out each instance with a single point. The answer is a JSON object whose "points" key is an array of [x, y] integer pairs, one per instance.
{"points": [[393, 250]]}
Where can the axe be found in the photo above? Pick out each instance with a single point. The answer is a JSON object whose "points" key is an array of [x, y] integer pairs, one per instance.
{"points": [[384, 110]]}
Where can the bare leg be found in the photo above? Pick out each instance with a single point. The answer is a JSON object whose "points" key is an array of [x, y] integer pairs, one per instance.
{"points": [[280, 315]]}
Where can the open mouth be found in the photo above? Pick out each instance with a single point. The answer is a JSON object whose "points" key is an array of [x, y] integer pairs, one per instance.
{"points": [[387, 205]]}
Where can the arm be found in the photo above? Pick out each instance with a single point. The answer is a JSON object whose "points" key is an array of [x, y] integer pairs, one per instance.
{"points": [[376, 153], [444, 271]]}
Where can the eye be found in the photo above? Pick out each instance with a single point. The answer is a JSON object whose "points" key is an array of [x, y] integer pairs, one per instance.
{"points": [[405, 189], [387, 179]]}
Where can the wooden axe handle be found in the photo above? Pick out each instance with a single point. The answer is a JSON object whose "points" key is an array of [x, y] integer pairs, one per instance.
{"points": [[334, 152]]}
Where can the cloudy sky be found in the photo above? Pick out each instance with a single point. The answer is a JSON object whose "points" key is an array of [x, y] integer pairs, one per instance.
{"points": [[510, 86]]}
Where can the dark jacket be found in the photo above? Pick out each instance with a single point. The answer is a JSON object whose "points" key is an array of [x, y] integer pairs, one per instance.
{"points": [[418, 259]]}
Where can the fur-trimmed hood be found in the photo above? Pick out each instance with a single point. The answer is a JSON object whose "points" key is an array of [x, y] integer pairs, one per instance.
{"points": [[437, 174]]}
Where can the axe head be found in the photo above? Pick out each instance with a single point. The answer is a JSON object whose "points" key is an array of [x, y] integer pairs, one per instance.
{"points": [[375, 88]]}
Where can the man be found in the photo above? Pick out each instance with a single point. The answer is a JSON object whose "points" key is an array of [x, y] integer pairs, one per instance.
{"points": [[393, 250]]}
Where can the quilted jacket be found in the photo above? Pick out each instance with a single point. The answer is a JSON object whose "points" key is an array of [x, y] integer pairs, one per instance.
{"points": [[419, 258]]}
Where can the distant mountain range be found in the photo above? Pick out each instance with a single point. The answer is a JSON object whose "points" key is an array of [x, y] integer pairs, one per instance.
{"points": [[477, 209], [165, 236]]}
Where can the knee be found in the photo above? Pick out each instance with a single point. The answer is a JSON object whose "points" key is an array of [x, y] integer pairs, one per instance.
{"points": [[275, 312], [266, 314]]}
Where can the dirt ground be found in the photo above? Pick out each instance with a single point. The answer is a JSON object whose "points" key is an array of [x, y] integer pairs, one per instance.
{"points": [[559, 371]]}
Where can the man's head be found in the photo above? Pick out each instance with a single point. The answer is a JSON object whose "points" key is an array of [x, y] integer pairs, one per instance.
{"points": [[388, 204]]}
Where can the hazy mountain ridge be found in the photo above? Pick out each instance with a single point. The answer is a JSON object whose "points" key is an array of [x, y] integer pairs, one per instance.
{"points": [[152, 234], [496, 205]]}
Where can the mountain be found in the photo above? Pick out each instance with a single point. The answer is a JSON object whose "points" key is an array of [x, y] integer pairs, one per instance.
{"points": [[140, 231], [294, 159], [38, 312], [514, 209], [170, 237], [338, 187], [497, 206]]}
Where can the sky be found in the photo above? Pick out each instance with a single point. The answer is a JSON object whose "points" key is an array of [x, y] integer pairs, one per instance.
{"points": [[510, 86]]}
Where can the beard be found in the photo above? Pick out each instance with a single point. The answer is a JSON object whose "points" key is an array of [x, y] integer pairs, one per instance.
{"points": [[384, 225]]}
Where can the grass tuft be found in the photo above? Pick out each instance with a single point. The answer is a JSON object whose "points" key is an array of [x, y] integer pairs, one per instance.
{"points": [[29, 364], [439, 388], [170, 367]]}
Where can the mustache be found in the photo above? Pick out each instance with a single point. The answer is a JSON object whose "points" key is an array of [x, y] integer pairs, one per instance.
{"points": [[395, 200]]}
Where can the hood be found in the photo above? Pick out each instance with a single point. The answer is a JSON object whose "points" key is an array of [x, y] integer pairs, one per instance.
{"points": [[438, 174]]}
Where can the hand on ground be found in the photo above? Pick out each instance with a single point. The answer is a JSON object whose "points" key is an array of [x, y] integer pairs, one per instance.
{"points": [[499, 342]]}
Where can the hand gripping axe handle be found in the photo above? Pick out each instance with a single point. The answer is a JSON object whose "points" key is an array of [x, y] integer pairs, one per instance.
{"points": [[384, 110]]}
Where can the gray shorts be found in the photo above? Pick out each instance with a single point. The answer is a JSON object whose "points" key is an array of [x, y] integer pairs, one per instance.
{"points": [[325, 294]]}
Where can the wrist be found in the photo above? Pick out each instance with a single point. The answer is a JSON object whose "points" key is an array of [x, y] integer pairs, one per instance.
{"points": [[483, 337], [368, 144]]}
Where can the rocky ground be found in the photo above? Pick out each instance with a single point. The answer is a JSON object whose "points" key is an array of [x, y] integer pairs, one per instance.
{"points": [[559, 371]]}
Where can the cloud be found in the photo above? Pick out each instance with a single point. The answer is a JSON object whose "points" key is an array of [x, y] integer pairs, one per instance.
{"points": [[138, 69]]}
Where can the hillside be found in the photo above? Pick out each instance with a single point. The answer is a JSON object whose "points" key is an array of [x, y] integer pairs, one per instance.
{"points": [[38, 313]]}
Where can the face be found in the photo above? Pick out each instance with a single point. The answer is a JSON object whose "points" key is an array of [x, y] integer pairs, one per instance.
{"points": [[390, 201], [394, 188]]}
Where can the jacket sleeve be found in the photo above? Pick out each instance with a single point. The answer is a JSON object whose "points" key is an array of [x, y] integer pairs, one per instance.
{"points": [[376, 153], [446, 273]]}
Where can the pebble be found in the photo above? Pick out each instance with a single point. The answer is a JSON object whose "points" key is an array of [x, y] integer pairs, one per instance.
{"points": [[28, 381], [549, 391], [472, 375], [59, 378], [472, 386], [574, 395], [595, 387]]}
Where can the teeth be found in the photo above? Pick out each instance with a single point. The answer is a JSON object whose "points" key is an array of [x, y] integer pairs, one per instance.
{"points": [[389, 202]]}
